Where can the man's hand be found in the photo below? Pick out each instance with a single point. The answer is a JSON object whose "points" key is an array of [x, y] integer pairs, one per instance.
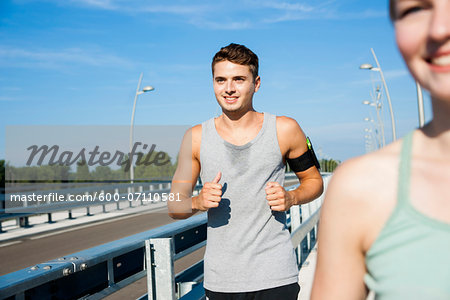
{"points": [[278, 198], [209, 196]]}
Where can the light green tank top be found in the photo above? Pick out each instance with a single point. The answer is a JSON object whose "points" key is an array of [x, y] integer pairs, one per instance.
{"points": [[410, 259]]}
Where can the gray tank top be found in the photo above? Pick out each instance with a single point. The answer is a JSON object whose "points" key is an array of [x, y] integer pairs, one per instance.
{"points": [[248, 245]]}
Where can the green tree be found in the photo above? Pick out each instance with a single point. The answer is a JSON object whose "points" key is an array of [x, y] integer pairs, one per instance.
{"points": [[328, 165], [82, 173], [153, 170], [102, 173]]}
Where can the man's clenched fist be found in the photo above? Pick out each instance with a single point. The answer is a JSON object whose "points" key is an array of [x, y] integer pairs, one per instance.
{"points": [[209, 196], [278, 198]]}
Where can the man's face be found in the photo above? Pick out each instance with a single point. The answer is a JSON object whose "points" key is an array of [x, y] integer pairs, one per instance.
{"points": [[234, 86]]}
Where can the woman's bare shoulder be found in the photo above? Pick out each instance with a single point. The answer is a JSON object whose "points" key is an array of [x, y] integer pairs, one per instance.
{"points": [[373, 172], [364, 189]]}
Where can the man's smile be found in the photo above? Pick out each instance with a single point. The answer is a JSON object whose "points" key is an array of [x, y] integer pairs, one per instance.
{"points": [[230, 99]]}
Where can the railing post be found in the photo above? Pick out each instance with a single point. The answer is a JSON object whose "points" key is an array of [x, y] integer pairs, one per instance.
{"points": [[49, 215], [306, 214], [130, 190], [295, 223], [110, 268], [23, 222], [312, 208], [185, 287], [88, 209], [116, 191], [160, 275]]}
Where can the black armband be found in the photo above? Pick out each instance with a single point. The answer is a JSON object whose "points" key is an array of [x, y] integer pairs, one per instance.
{"points": [[304, 161]]}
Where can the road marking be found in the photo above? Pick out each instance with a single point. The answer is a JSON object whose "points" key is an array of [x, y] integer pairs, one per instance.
{"points": [[94, 224], [10, 243]]}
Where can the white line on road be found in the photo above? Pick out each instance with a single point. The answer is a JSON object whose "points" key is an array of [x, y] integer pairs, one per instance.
{"points": [[94, 224], [10, 243]]}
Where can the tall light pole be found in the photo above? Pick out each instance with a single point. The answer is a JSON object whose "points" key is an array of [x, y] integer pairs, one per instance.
{"points": [[378, 107], [377, 132], [369, 145], [138, 92], [378, 69]]}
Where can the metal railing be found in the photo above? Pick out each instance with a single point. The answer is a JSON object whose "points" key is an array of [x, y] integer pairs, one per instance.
{"points": [[99, 271], [121, 194], [118, 195]]}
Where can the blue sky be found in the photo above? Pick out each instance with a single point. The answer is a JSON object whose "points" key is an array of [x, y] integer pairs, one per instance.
{"points": [[78, 62]]}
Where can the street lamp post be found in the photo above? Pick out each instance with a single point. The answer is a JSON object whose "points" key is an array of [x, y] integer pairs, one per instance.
{"points": [[138, 92], [378, 69], [377, 132], [369, 145], [372, 134], [380, 122]]}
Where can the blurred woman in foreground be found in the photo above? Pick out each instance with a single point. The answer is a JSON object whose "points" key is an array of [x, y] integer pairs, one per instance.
{"points": [[385, 222]]}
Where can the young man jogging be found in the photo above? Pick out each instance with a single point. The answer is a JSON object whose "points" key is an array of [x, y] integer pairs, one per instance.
{"points": [[241, 158]]}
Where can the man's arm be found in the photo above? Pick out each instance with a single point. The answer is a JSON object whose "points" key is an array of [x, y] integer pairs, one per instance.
{"points": [[186, 174], [185, 179], [292, 142]]}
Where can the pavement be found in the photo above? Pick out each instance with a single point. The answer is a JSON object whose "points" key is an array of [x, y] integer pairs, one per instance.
{"points": [[306, 275]]}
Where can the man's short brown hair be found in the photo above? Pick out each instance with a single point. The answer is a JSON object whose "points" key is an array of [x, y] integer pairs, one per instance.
{"points": [[238, 54]]}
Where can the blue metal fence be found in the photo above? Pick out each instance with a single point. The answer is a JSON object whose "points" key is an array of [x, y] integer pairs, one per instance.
{"points": [[23, 212], [99, 271]]}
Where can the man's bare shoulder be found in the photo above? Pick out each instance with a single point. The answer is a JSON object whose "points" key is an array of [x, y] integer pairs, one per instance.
{"points": [[287, 125], [291, 138], [195, 134]]}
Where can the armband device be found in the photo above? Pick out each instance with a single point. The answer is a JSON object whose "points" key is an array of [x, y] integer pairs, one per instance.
{"points": [[304, 161]]}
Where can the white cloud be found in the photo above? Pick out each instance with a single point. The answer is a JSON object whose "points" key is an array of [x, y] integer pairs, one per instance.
{"points": [[177, 9], [6, 98], [393, 74], [222, 25], [288, 6], [102, 4], [17, 57], [140, 6], [212, 14], [324, 10]]}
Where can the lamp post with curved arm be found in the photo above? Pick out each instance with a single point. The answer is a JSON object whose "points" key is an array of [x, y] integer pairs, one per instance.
{"points": [[378, 107], [377, 132], [378, 69], [138, 92]]}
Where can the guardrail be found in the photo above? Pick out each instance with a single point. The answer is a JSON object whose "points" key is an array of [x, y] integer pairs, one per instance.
{"points": [[112, 195], [99, 271], [119, 193]]}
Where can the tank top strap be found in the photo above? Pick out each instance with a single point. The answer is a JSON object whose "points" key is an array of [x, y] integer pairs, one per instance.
{"points": [[405, 170], [271, 126], [209, 131]]}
